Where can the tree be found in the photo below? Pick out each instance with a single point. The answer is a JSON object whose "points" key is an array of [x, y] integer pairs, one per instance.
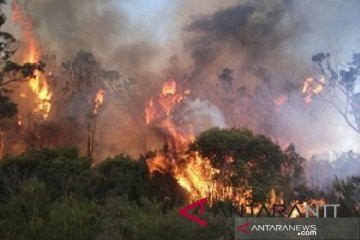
{"points": [[348, 193], [60, 169], [85, 87], [11, 72], [114, 200], [124, 176], [244, 160], [338, 86]]}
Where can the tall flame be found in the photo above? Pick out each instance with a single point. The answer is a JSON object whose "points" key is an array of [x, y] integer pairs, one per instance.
{"points": [[38, 85]]}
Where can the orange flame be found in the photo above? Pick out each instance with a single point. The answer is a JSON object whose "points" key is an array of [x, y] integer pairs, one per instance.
{"points": [[38, 85], [99, 99], [192, 171], [169, 88], [312, 87]]}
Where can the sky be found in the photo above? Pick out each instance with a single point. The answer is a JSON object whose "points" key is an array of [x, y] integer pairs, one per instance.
{"points": [[155, 15]]}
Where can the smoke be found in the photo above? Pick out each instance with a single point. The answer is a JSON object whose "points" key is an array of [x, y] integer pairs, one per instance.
{"points": [[279, 37], [256, 31], [322, 170], [199, 40], [199, 115], [101, 27]]}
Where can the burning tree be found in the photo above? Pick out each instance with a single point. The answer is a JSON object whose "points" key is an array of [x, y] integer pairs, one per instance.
{"points": [[10, 71], [84, 91], [336, 86], [247, 166], [220, 164]]}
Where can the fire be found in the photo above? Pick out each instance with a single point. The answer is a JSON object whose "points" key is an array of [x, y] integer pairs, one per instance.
{"points": [[312, 87], [169, 88], [170, 97], [162, 106], [19, 121], [192, 171], [280, 101], [38, 85], [167, 100], [99, 99], [150, 111]]}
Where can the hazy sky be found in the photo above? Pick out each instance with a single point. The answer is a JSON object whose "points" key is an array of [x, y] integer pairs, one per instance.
{"points": [[155, 15]]}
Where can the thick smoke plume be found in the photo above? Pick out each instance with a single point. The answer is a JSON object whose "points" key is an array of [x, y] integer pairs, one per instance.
{"points": [[241, 59]]}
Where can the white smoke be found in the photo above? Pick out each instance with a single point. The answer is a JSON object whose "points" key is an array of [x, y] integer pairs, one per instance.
{"points": [[199, 115]]}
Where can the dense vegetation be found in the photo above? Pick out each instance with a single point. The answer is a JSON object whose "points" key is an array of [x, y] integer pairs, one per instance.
{"points": [[57, 194], [54, 194]]}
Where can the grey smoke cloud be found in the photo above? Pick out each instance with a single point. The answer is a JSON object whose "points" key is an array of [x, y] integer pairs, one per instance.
{"points": [[256, 28], [207, 37]]}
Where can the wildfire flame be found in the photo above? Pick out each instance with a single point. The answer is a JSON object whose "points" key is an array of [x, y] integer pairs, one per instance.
{"points": [[194, 174], [192, 171], [169, 98], [312, 87], [162, 106], [38, 85], [99, 99]]}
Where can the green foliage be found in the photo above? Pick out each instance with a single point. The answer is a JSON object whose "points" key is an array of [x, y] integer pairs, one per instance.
{"points": [[55, 194], [59, 169], [73, 219], [24, 217], [255, 159], [124, 176], [125, 220]]}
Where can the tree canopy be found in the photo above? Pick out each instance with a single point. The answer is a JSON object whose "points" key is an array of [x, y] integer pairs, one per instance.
{"points": [[244, 159]]}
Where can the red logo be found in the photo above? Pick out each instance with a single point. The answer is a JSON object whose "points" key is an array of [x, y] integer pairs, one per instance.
{"points": [[244, 228], [184, 211]]}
